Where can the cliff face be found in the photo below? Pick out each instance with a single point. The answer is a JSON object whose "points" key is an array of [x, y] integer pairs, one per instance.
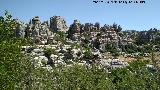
{"points": [[44, 32]]}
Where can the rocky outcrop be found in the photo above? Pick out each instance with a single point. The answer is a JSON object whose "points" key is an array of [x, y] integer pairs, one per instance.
{"points": [[75, 30], [38, 31], [75, 27], [87, 33], [57, 23], [150, 35]]}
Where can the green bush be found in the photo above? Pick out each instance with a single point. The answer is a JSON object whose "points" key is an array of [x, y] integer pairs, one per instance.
{"points": [[12, 63]]}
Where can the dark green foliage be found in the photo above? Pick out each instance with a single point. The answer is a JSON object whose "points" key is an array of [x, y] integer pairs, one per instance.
{"points": [[12, 63], [129, 49], [88, 54], [9, 63], [60, 37], [111, 48], [49, 51], [135, 77], [7, 24], [78, 77], [71, 78]]}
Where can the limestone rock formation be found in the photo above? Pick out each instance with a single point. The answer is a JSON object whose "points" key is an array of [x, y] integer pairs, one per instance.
{"points": [[38, 31], [74, 30], [75, 27], [57, 23]]}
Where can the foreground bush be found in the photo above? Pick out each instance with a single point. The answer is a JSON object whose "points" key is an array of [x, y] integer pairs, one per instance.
{"points": [[81, 78]]}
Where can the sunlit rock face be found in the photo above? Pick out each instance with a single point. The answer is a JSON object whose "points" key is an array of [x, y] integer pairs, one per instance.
{"points": [[37, 31], [57, 23]]}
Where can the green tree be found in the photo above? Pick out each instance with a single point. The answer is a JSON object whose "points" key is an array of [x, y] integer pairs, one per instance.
{"points": [[12, 63]]}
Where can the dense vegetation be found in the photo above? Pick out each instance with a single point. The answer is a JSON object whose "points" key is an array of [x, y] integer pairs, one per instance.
{"points": [[17, 71]]}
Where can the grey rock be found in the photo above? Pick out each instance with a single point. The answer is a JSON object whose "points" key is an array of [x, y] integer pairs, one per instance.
{"points": [[57, 23]]}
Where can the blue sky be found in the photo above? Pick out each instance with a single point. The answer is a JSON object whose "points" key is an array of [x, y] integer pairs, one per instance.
{"points": [[130, 16]]}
